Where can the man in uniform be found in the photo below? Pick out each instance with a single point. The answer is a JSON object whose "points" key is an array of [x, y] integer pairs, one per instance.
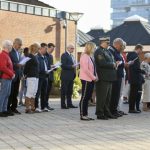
{"points": [[106, 70]]}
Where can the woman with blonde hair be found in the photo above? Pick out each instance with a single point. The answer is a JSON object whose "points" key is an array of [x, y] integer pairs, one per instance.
{"points": [[146, 95], [87, 76], [31, 74]]}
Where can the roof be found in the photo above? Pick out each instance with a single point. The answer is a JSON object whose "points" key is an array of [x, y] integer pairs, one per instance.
{"points": [[135, 18], [83, 38], [133, 32], [33, 2], [96, 32]]}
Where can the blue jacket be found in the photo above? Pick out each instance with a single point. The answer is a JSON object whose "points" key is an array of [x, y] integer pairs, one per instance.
{"points": [[68, 72], [42, 72], [15, 61], [135, 72], [50, 62], [118, 57]]}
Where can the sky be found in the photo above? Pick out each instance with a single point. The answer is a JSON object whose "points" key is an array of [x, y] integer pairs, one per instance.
{"points": [[96, 12]]}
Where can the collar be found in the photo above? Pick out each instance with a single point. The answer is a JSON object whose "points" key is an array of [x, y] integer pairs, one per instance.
{"points": [[68, 52], [5, 52]]}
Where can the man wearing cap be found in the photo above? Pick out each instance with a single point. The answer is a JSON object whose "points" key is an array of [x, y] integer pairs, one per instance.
{"points": [[106, 70]]}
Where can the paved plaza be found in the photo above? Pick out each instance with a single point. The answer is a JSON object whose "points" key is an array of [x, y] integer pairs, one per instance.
{"points": [[63, 130]]}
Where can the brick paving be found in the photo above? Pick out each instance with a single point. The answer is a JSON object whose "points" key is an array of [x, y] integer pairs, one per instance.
{"points": [[62, 130]]}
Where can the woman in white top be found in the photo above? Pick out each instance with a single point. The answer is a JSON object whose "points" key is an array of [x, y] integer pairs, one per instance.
{"points": [[146, 67]]}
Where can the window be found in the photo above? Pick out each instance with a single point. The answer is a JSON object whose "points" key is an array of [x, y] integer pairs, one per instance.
{"points": [[38, 11], [53, 13], [22, 8], [13, 6], [45, 12], [30, 9], [4, 5]]}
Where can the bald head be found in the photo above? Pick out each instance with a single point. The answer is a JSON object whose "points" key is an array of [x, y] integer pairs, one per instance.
{"points": [[70, 48]]}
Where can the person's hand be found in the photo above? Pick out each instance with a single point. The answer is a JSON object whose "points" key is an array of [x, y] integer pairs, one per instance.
{"points": [[96, 79], [13, 76], [19, 65], [130, 62]]}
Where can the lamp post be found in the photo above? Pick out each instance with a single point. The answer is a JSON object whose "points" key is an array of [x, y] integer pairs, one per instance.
{"points": [[75, 16]]}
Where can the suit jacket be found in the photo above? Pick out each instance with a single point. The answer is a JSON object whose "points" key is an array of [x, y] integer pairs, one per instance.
{"points": [[42, 72], [105, 65], [68, 72], [135, 72], [86, 68], [118, 57], [50, 62], [15, 61]]}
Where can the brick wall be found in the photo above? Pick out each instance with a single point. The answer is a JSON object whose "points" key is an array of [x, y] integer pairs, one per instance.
{"points": [[33, 28]]}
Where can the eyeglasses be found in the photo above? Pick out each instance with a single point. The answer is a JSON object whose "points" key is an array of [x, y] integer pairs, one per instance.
{"points": [[72, 48]]}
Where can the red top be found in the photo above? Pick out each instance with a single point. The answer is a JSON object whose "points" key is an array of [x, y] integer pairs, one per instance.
{"points": [[6, 66]]}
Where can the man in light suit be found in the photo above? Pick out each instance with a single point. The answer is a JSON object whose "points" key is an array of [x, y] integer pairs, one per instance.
{"points": [[15, 58], [68, 75]]}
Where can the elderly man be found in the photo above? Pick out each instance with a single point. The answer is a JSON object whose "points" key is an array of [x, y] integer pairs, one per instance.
{"points": [[6, 76], [116, 51], [68, 75], [106, 70], [15, 58], [135, 79]]}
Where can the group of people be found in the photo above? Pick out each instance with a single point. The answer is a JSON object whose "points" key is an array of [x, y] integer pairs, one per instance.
{"points": [[103, 69], [38, 81], [109, 69]]}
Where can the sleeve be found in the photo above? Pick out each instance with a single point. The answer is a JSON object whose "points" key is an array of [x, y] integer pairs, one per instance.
{"points": [[84, 64], [101, 61], [4, 68], [65, 65]]}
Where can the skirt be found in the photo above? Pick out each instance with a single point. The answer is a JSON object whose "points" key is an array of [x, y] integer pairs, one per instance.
{"points": [[146, 93]]}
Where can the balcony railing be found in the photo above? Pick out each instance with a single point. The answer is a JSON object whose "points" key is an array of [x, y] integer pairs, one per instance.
{"points": [[32, 9]]}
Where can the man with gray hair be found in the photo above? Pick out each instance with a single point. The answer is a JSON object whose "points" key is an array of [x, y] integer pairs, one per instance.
{"points": [[116, 51], [68, 75], [15, 58], [6, 76]]}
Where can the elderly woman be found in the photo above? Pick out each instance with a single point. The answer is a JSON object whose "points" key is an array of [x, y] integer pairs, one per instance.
{"points": [[31, 74], [146, 95], [6, 76], [87, 76]]}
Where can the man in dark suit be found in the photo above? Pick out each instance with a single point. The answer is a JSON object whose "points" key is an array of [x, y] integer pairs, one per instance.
{"points": [[68, 75], [49, 56], [106, 70], [43, 79], [15, 57], [135, 79], [116, 50]]}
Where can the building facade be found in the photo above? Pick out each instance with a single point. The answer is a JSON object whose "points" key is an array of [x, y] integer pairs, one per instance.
{"points": [[35, 22], [126, 8]]}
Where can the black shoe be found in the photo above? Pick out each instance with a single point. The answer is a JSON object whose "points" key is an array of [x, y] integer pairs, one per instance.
{"points": [[102, 117], [139, 110], [117, 114], [50, 108], [122, 113], [3, 115], [64, 107], [72, 106], [110, 116], [9, 113], [16, 112], [90, 118], [134, 111]]}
